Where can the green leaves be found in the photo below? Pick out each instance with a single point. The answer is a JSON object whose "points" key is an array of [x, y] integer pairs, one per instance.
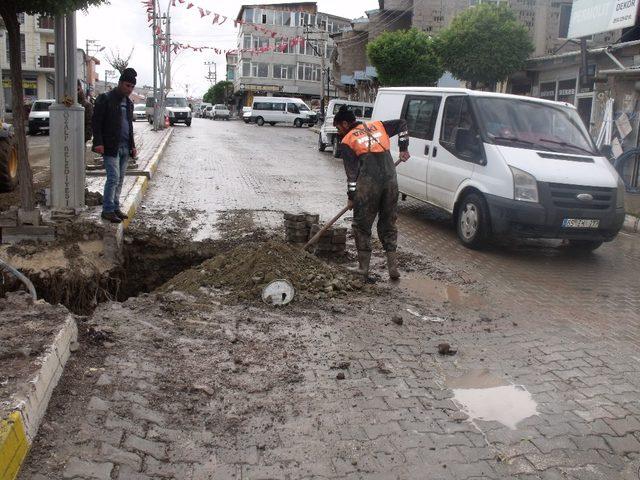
{"points": [[218, 92], [405, 58], [484, 44], [52, 7]]}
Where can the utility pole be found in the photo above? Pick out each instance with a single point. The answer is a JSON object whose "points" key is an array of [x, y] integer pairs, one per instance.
{"points": [[155, 67], [322, 55], [168, 44], [107, 74], [2, 104]]}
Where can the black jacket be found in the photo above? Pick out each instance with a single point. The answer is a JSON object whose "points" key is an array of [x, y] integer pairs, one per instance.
{"points": [[107, 120]]}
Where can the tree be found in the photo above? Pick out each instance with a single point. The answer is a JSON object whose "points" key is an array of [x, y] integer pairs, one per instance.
{"points": [[9, 10], [218, 93], [484, 44], [118, 62], [405, 58]]}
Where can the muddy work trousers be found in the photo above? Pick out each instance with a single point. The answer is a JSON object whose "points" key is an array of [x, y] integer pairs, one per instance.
{"points": [[376, 196]]}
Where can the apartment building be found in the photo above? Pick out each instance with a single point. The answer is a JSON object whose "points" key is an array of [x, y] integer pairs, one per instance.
{"points": [[282, 49], [37, 53]]}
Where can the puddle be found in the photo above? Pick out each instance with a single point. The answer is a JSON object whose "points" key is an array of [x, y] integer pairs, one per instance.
{"points": [[486, 397], [428, 288]]}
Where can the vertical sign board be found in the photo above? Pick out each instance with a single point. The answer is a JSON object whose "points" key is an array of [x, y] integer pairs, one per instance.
{"points": [[589, 17]]}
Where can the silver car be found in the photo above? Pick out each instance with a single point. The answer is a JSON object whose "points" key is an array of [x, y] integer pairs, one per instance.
{"points": [[221, 111]]}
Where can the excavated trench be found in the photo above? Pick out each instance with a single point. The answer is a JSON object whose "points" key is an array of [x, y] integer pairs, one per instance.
{"points": [[149, 261]]}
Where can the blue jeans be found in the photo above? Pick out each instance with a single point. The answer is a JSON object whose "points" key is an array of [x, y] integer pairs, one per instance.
{"points": [[116, 168]]}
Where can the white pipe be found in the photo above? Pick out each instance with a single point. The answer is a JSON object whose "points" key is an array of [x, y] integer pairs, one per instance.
{"points": [[21, 277]]}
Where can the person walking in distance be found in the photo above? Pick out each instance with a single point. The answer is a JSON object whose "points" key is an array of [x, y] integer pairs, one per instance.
{"points": [[372, 183], [113, 138]]}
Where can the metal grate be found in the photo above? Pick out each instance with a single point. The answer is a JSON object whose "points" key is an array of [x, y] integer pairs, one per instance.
{"points": [[566, 196]]}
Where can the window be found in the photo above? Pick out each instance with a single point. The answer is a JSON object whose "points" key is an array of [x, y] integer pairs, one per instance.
{"points": [[282, 45], [248, 15], [457, 116], [246, 68], [421, 114], [246, 42], [23, 50], [565, 17], [368, 112], [288, 19], [309, 72], [279, 18], [292, 108], [284, 71], [260, 70], [260, 42]]}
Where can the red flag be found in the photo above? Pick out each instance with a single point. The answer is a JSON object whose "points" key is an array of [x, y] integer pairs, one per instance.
{"points": [[215, 18], [201, 10], [173, 3], [225, 19]]}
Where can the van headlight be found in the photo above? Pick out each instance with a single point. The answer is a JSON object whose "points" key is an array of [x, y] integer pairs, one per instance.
{"points": [[620, 193], [171, 113], [525, 186]]}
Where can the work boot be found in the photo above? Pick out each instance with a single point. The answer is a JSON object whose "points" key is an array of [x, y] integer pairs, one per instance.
{"points": [[112, 217], [121, 214], [392, 265], [364, 258]]}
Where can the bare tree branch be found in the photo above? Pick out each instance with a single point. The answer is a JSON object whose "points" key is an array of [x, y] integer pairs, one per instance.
{"points": [[118, 62]]}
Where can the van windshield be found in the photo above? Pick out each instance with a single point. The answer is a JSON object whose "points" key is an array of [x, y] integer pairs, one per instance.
{"points": [[303, 107], [176, 102], [533, 125], [41, 106]]}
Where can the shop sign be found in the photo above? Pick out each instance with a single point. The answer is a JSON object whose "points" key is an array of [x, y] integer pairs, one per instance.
{"points": [[27, 84], [589, 17], [567, 91], [548, 90]]}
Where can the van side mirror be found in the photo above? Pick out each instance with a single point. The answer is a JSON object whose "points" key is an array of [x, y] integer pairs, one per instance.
{"points": [[468, 144]]}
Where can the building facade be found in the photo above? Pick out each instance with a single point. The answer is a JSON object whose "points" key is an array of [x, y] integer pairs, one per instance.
{"points": [[37, 53], [282, 49]]}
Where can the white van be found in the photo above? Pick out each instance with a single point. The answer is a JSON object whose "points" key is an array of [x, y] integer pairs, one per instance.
{"points": [[39, 116], [272, 110], [328, 133], [505, 165], [176, 108]]}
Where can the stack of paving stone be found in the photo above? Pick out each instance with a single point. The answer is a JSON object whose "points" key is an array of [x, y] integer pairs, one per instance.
{"points": [[333, 242], [298, 226]]}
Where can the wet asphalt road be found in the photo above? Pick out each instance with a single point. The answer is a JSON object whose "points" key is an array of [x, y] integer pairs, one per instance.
{"points": [[217, 166]]}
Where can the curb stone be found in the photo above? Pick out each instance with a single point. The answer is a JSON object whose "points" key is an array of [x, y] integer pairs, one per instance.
{"points": [[19, 428]]}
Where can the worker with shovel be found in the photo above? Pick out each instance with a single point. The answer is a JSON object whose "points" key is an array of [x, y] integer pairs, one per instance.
{"points": [[372, 184]]}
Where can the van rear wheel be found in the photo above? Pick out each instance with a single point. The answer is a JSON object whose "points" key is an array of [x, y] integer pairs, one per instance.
{"points": [[473, 221], [260, 121]]}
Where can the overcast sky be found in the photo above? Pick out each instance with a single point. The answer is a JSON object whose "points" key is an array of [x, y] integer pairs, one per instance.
{"points": [[123, 25]]}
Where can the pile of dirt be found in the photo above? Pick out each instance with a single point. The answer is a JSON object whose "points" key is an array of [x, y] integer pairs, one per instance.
{"points": [[244, 271]]}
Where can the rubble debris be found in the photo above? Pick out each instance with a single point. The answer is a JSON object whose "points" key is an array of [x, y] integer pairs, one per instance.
{"points": [[445, 349], [301, 227], [235, 275], [92, 199], [397, 319], [333, 242], [340, 376], [298, 227], [384, 367]]}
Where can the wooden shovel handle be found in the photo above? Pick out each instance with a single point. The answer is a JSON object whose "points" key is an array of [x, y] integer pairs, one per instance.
{"points": [[330, 223]]}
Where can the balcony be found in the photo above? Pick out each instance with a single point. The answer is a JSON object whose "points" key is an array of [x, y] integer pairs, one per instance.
{"points": [[46, 23], [46, 61]]}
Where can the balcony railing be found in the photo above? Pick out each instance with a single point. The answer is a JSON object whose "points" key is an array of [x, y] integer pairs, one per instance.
{"points": [[47, 61], [46, 23]]}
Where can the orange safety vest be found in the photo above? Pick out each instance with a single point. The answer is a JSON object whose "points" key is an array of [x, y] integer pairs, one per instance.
{"points": [[368, 138]]}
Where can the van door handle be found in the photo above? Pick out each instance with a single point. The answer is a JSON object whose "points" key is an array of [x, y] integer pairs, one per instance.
{"points": [[426, 150], [435, 152]]}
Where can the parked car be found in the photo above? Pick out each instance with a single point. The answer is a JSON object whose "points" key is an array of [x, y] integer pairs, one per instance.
{"points": [[272, 110], [39, 116], [208, 112], [200, 109], [505, 166], [328, 133], [139, 112], [221, 111], [177, 109], [246, 114]]}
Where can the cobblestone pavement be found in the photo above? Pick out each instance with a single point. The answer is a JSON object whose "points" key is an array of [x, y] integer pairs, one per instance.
{"points": [[526, 319]]}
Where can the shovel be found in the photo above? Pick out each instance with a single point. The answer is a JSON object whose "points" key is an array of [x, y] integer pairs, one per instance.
{"points": [[330, 223]]}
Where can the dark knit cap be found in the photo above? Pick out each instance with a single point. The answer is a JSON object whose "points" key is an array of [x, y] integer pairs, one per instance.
{"points": [[129, 75], [344, 115]]}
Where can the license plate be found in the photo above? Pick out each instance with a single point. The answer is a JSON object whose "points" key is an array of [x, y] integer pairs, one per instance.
{"points": [[580, 223]]}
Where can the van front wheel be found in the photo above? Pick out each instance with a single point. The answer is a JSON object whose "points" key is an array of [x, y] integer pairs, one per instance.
{"points": [[260, 121], [473, 221], [297, 122]]}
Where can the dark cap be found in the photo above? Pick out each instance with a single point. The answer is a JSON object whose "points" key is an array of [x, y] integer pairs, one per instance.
{"points": [[344, 115], [129, 75]]}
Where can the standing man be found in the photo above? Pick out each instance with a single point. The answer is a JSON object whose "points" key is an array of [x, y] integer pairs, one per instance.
{"points": [[113, 138], [372, 184]]}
